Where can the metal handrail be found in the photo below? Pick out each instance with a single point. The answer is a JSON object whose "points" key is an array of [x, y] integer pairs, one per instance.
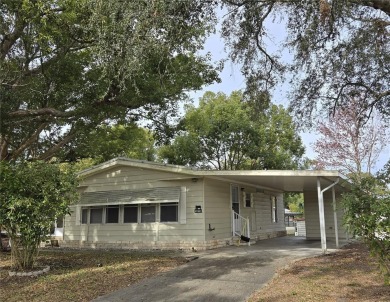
{"points": [[238, 230]]}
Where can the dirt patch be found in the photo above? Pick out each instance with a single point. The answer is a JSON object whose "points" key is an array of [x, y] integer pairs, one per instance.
{"points": [[345, 276], [82, 275]]}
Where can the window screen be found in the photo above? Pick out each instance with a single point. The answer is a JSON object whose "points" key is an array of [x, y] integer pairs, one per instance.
{"points": [[112, 214], [84, 216], [96, 215], [169, 212], [148, 213], [248, 202], [130, 214]]}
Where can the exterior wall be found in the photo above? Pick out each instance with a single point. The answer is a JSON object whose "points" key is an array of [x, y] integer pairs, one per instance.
{"points": [[139, 235], [219, 215], [312, 216], [217, 210], [265, 227]]}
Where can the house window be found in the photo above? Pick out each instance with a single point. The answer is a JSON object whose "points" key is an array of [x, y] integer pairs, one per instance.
{"points": [[235, 200], [274, 209], [169, 212], [148, 213], [130, 214], [84, 216], [96, 215], [112, 214], [248, 200]]}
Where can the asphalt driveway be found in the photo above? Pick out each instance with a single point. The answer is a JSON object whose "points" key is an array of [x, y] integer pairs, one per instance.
{"points": [[227, 274]]}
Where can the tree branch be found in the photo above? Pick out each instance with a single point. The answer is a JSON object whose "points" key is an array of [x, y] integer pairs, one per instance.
{"points": [[26, 143], [50, 152], [40, 112], [382, 5]]}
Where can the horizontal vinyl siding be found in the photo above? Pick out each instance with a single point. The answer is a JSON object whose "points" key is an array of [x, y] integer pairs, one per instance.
{"points": [[263, 208], [217, 209], [127, 178], [312, 216]]}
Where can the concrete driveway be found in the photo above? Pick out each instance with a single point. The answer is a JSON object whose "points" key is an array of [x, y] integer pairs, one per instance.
{"points": [[227, 274]]}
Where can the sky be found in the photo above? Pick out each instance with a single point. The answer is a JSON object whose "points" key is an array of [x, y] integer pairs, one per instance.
{"points": [[232, 79]]}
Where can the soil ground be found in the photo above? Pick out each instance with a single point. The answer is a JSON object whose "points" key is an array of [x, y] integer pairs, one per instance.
{"points": [[348, 275], [82, 275]]}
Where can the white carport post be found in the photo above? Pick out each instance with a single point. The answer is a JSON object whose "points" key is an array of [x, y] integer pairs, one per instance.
{"points": [[322, 216], [322, 212], [336, 228]]}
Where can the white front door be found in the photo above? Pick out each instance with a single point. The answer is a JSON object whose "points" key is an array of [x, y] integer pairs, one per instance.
{"points": [[236, 208]]}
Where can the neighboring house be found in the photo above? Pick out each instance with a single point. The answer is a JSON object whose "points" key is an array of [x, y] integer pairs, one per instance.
{"points": [[127, 203]]}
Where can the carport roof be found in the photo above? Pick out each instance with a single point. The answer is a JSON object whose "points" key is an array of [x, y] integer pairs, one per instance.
{"points": [[273, 180]]}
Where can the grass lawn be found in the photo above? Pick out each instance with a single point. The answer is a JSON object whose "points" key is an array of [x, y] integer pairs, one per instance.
{"points": [[349, 275], [81, 275]]}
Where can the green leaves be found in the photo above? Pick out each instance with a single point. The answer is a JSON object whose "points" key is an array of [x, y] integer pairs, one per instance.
{"points": [[367, 215], [67, 66], [32, 196], [229, 133]]}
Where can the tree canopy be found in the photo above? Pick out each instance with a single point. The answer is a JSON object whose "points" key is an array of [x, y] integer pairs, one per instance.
{"points": [[224, 134], [109, 141], [68, 65], [341, 49], [349, 142]]}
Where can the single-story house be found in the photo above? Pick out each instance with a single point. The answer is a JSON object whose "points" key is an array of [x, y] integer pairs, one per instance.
{"points": [[126, 203]]}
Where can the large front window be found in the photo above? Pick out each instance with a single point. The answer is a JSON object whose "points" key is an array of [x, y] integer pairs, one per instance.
{"points": [[148, 213], [130, 214], [96, 215], [112, 214], [169, 212]]}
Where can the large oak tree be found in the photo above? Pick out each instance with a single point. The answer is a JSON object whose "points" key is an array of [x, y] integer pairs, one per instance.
{"points": [[66, 66], [340, 48]]}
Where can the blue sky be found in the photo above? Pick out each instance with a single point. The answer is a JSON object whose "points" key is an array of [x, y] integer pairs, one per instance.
{"points": [[231, 79]]}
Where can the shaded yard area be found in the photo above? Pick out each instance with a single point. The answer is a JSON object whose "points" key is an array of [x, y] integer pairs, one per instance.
{"points": [[81, 275], [345, 276]]}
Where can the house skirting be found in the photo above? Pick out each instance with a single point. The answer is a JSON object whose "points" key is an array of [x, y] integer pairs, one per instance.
{"points": [[158, 245]]}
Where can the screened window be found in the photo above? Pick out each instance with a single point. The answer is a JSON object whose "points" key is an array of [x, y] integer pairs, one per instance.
{"points": [[112, 214], [84, 216], [148, 213], [96, 215], [274, 209], [248, 201], [169, 212], [130, 214]]}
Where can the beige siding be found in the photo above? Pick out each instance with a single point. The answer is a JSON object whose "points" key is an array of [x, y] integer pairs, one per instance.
{"points": [[217, 209], [265, 227], [312, 216], [127, 178]]}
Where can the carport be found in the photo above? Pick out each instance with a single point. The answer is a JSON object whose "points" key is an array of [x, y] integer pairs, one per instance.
{"points": [[321, 190]]}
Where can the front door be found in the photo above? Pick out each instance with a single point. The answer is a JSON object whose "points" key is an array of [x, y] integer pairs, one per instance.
{"points": [[236, 209], [235, 200]]}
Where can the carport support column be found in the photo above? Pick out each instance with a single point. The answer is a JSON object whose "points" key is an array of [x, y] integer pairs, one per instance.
{"points": [[336, 228], [322, 216]]}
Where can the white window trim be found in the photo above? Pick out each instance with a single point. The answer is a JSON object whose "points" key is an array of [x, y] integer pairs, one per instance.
{"points": [[244, 195]]}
